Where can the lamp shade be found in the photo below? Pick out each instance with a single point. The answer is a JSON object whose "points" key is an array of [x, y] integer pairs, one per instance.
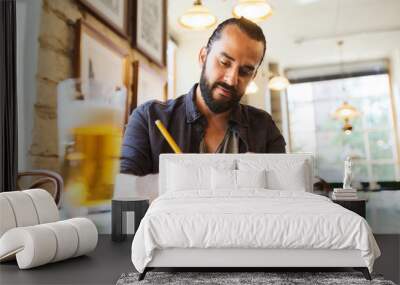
{"points": [[346, 112], [198, 17], [254, 10], [278, 83]]}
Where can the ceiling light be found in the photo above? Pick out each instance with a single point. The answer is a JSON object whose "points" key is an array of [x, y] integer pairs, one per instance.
{"points": [[198, 17], [347, 128], [254, 10], [346, 112], [278, 83], [251, 88], [348, 131]]}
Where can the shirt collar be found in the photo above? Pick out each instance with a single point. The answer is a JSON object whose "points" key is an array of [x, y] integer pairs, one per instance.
{"points": [[238, 115], [192, 112]]}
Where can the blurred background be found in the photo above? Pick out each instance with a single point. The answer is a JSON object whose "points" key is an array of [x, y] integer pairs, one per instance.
{"points": [[330, 80]]}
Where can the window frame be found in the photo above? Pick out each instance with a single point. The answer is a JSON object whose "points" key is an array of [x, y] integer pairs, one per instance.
{"points": [[368, 161]]}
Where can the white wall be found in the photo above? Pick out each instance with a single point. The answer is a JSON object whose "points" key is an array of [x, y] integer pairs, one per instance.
{"points": [[188, 69], [28, 23]]}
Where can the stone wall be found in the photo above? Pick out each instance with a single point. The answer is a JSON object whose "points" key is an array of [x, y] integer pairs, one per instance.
{"points": [[56, 60]]}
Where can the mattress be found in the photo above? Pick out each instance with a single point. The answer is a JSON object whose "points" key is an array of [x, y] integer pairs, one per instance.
{"points": [[250, 219]]}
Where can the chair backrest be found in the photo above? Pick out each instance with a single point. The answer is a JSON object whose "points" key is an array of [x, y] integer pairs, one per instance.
{"points": [[26, 208], [286, 171], [43, 177]]}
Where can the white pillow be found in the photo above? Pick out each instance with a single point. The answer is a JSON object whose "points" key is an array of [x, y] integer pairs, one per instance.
{"points": [[192, 173], [185, 175], [223, 179], [182, 177], [290, 175], [251, 178], [293, 180]]}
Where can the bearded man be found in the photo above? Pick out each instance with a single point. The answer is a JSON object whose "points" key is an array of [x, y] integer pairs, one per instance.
{"points": [[210, 118]]}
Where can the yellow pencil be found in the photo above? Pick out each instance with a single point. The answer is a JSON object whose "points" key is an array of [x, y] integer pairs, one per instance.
{"points": [[168, 137]]}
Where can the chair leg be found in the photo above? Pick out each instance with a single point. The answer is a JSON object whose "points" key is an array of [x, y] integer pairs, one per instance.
{"points": [[143, 274], [364, 271]]}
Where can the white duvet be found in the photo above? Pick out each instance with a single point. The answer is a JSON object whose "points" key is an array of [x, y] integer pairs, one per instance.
{"points": [[254, 218]]}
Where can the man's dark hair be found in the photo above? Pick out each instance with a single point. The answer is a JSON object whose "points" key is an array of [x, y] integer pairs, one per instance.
{"points": [[248, 27]]}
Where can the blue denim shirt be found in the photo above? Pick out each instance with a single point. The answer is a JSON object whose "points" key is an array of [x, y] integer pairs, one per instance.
{"points": [[143, 142]]}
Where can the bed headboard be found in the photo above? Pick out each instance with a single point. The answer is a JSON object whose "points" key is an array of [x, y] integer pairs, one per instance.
{"points": [[281, 164]]}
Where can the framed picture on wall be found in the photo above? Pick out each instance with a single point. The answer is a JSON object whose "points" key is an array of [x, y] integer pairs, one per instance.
{"points": [[149, 29], [114, 13], [100, 60], [147, 85]]}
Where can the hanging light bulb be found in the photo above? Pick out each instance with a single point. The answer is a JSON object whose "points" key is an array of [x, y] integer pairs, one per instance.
{"points": [[254, 10], [198, 17], [347, 127], [278, 83], [251, 88], [346, 112]]}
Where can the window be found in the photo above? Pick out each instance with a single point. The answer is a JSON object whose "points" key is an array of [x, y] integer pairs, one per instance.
{"points": [[372, 145]]}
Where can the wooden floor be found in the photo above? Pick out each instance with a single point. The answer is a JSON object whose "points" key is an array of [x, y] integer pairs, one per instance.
{"points": [[110, 260]]}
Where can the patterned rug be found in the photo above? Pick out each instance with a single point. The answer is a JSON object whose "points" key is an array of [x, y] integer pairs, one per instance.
{"points": [[243, 278]]}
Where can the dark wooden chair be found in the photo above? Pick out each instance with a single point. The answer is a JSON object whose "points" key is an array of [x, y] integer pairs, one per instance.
{"points": [[40, 178]]}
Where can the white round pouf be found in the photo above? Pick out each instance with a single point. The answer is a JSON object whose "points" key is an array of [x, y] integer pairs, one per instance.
{"points": [[23, 208], [46, 208], [31, 233], [40, 244], [87, 233], [33, 246], [7, 216], [67, 240]]}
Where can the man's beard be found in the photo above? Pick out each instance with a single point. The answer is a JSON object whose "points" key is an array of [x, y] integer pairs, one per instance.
{"points": [[217, 106]]}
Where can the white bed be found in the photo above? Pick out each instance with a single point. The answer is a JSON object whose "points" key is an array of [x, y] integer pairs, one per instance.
{"points": [[247, 210]]}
